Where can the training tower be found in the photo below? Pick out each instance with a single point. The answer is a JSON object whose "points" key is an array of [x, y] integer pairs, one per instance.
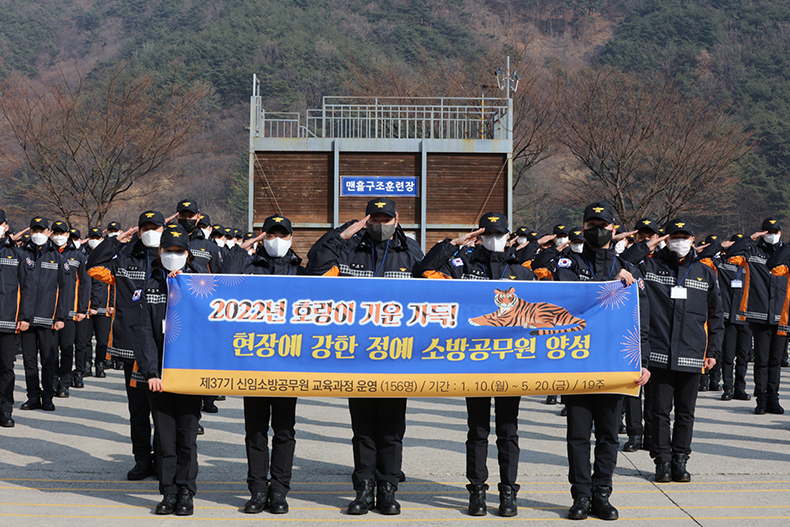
{"points": [[444, 161]]}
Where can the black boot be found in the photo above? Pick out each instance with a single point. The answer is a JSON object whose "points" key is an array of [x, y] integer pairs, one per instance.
{"points": [[167, 504], [633, 444], [277, 503], [762, 404], [704, 384], [6, 421], [623, 429], [477, 499], [87, 369], [507, 501], [663, 471], [679, 472], [741, 395], [184, 506], [600, 504], [773, 406], [551, 399], [727, 395], [100, 371], [364, 500], [256, 504], [385, 499], [76, 380], [580, 508], [141, 470], [63, 392]]}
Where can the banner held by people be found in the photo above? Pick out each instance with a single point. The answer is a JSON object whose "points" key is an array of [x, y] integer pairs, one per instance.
{"points": [[349, 337]]}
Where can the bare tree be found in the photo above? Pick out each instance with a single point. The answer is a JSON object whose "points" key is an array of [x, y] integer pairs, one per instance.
{"points": [[649, 146], [87, 141]]}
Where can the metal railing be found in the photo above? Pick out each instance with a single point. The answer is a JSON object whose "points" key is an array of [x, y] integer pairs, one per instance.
{"points": [[390, 118]]}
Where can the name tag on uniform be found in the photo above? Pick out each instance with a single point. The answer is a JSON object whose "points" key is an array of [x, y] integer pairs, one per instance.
{"points": [[736, 284], [678, 293]]}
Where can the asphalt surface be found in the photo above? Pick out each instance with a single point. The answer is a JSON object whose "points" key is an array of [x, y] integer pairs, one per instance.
{"points": [[68, 467]]}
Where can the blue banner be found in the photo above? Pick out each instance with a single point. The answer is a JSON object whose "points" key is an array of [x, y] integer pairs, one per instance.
{"points": [[403, 186], [322, 336]]}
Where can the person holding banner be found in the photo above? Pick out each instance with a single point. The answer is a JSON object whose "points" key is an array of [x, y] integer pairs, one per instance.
{"points": [[598, 261], [491, 260], [375, 246], [143, 310], [275, 257], [686, 331]]}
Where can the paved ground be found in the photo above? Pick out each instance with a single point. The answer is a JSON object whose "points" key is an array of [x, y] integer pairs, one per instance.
{"points": [[69, 467]]}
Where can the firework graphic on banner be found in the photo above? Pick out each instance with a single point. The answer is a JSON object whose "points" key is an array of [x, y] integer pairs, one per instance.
{"points": [[630, 344], [612, 295], [636, 315], [173, 327], [173, 293], [230, 280], [202, 285]]}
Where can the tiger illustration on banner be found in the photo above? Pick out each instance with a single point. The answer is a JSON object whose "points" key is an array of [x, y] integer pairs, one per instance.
{"points": [[514, 311]]}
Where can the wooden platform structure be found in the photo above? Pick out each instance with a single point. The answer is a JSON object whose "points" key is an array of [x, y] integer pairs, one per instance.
{"points": [[457, 153]]}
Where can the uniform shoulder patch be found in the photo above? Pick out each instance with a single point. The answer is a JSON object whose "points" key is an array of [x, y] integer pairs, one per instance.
{"points": [[457, 262], [564, 263], [137, 295]]}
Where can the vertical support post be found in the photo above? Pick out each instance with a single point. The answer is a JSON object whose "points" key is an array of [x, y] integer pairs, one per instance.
{"points": [[336, 183], [254, 116], [423, 194]]}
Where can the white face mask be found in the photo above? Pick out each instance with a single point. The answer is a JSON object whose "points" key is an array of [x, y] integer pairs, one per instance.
{"points": [[207, 233], [772, 238], [39, 238], [2, 231], [277, 247], [112, 234], [219, 242], [680, 246], [620, 246], [494, 242], [560, 241], [577, 247], [76, 243], [522, 240], [60, 239], [173, 261], [151, 238], [230, 243], [93, 242]]}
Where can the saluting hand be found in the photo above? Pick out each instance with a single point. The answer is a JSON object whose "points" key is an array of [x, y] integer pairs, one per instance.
{"points": [[727, 244], [246, 245], [354, 228], [171, 218], [16, 237], [701, 247], [546, 239], [759, 234], [622, 235], [469, 237], [652, 244], [127, 235]]}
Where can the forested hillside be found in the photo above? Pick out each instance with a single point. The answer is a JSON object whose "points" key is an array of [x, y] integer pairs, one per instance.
{"points": [[729, 51]]}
